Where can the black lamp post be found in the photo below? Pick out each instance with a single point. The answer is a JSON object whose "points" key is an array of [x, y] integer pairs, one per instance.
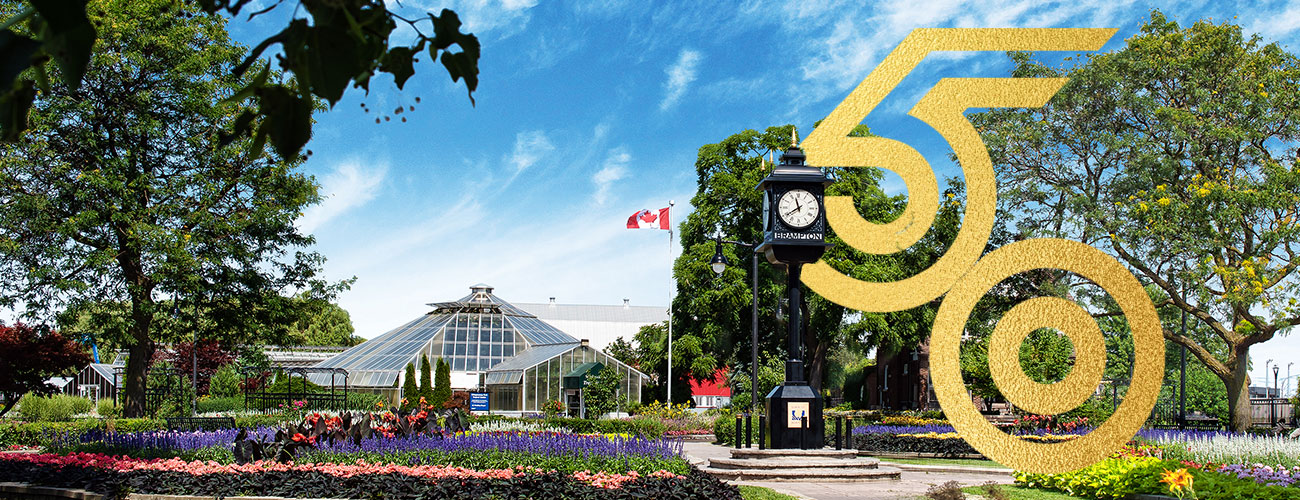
{"points": [[719, 264], [1276, 395]]}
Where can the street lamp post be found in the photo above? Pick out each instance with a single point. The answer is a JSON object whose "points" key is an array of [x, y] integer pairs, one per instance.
{"points": [[1276, 395], [719, 264]]}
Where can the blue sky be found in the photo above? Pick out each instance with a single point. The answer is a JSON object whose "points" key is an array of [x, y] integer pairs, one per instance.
{"points": [[590, 111]]}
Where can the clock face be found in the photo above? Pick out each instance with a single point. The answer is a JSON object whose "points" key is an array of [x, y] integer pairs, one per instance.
{"points": [[798, 208]]}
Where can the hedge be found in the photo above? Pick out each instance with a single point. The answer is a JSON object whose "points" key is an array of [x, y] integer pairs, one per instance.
{"points": [[42, 433], [897, 443]]}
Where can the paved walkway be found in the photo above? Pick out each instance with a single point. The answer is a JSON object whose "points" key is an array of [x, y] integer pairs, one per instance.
{"points": [[912, 485]]}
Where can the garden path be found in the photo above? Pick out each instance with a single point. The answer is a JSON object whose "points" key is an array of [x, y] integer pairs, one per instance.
{"points": [[912, 485]]}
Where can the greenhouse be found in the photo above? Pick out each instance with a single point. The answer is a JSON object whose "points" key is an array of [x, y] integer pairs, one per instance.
{"points": [[491, 346]]}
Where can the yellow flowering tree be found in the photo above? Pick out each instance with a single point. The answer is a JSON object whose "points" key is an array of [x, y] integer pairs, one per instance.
{"points": [[1177, 154]]}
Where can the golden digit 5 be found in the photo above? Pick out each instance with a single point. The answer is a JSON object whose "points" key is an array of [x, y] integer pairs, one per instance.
{"points": [[942, 108]]}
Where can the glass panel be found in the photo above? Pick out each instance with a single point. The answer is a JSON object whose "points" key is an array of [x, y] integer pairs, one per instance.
{"points": [[460, 349], [530, 390], [496, 350], [496, 335], [508, 350], [458, 364]]}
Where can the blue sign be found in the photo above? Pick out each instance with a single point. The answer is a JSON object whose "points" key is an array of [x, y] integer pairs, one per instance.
{"points": [[478, 401]]}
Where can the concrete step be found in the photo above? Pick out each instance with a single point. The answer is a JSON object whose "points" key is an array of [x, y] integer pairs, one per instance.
{"points": [[807, 474], [793, 463], [752, 453]]}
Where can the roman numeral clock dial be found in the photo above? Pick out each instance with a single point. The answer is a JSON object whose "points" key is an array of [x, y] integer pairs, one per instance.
{"points": [[798, 208]]}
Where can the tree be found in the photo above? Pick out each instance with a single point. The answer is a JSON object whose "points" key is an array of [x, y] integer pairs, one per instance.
{"points": [[601, 392], [426, 379], [204, 360], [711, 312], [323, 323], [625, 352], [327, 46], [442, 389], [410, 391], [1177, 155], [121, 191], [32, 356]]}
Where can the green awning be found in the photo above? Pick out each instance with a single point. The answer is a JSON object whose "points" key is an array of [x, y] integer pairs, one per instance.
{"points": [[577, 378]]}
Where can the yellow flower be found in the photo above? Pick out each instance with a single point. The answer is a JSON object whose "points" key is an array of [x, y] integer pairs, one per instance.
{"points": [[1164, 202], [1179, 481], [1202, 192]]}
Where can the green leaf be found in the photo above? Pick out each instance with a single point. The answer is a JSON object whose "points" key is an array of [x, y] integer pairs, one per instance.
{"points": [[16, 53], [14, 105], [288, 119], [68, 36], [398, 61], [459, 65]]}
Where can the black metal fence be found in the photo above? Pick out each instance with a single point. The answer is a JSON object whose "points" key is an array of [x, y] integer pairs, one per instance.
{"points": [[257, 397]]}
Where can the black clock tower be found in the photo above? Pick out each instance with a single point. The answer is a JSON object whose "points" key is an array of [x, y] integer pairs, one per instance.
{"points": [[794, 233]]}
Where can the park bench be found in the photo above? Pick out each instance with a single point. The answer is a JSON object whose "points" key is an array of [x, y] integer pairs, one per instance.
{"points": [[200, 423]]}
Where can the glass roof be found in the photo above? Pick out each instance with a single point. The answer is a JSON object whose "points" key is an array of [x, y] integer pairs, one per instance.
{"points": [[475, 333]]}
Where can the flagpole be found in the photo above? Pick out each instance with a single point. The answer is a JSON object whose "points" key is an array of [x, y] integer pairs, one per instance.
{"points": [[670, 304]]}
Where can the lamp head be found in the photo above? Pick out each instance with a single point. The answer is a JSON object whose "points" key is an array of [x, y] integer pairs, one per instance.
{"points": [[719, 261]]}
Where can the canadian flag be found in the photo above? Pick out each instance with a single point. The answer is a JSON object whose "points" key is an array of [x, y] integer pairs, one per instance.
{"points": [[646, 219]]}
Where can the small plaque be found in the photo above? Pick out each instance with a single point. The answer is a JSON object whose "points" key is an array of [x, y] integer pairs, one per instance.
{"points": [[795, 413]]}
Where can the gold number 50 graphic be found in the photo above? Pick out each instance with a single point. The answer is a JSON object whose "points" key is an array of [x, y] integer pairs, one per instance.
{"points": [[962, 274]]}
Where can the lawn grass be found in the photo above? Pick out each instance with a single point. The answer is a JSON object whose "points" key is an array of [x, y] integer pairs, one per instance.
{"points": [[964, 462], [761, 493], [1019, 493]]}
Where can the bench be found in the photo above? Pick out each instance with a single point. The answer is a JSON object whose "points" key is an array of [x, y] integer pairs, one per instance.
{"points": [[200, 423]]}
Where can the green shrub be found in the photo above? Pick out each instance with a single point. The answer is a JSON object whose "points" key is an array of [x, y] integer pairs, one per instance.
{"points": [[649, 428], [724, 429], [106, 409], [45, 433], [31, 407], [55, 408], [225, 382], [361, 401], [221, 404], [284, 383]]}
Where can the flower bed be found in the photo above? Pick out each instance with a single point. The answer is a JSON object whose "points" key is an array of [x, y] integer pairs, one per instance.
{"points": [[113, 476], [564, 452], [1225, 447], [1124, 476], [934, 439]]}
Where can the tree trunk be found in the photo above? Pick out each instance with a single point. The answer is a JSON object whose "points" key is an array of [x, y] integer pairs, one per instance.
{"points": [[141, 353], [11, 399], [1238, 385]]}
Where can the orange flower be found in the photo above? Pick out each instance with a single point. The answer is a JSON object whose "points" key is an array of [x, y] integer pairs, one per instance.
{"points": [[1179, 481]]}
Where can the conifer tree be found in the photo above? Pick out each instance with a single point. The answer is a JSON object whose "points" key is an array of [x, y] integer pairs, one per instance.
{"points": [[426, 379], [410, 392], [442, 392]]}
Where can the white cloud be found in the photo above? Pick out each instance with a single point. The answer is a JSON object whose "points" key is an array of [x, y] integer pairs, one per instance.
{"points": [[844, 48], [680, 76], [614, 169], [500, 19], [1275, 25], [349, 186], [530, 147]]}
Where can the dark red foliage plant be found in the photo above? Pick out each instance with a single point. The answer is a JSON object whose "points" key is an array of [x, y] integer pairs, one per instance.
{"points": [[31, 355]]}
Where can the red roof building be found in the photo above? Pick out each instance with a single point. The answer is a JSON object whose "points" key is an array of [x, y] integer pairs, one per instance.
{"points": [[711, 393]]}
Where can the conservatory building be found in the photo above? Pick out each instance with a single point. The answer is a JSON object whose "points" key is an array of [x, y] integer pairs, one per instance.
{"points": [[492, 346]]}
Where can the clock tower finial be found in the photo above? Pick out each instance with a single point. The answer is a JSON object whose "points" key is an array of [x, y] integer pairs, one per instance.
{"points": [[794, 137]]}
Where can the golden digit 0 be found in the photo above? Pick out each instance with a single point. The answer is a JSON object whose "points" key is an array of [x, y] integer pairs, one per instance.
{"points": [[961, 273]]}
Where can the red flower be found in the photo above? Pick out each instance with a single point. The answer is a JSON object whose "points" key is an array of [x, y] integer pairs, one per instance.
{"points": [[298, 438]]}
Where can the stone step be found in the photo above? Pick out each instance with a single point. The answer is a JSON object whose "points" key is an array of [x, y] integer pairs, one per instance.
{"points": [[806, 474], [752, 453], [793, 463]]}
